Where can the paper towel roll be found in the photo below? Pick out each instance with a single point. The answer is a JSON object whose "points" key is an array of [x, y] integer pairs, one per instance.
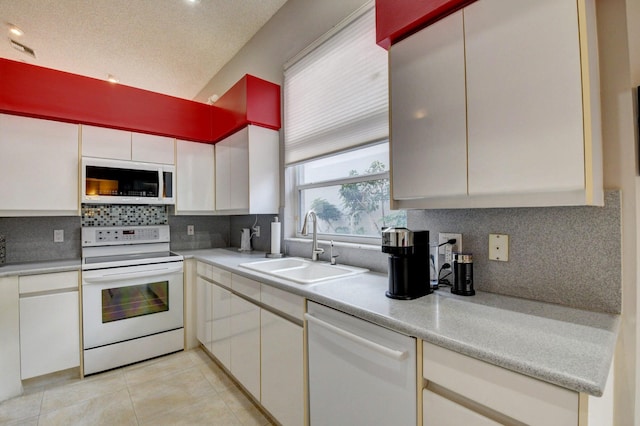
{"points": [[275, 237]]}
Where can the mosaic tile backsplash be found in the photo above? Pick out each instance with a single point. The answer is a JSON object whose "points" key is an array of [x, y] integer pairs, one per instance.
{"points": [[123, 215]]}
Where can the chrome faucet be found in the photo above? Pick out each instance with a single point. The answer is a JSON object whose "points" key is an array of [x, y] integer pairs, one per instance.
{"points": [[315, 250]]}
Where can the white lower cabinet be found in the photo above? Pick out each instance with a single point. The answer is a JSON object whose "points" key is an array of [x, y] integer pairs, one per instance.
{"points": [[251, 329], [49, 323], [475, 392], [220, 345], [10, 384], [245, 344], [203, 312], [282, 373]]}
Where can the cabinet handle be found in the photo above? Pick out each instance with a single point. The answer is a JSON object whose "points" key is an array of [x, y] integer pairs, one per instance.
{"points": [[391, 353], [131, 275]]}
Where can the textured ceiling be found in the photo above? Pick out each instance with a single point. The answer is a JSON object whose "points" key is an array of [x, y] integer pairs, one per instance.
{"points": [[167, 46]]}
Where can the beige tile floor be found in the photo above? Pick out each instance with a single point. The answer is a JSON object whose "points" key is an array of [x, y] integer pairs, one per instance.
{"points": [[185, 388]]}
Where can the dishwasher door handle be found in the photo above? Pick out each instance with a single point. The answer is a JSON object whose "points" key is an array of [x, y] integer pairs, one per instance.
{"points": [[391, 353]]}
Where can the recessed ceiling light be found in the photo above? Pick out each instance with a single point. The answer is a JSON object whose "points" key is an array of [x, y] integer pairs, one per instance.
{"points": [[112, 79], [193, 1], [15, 30]]}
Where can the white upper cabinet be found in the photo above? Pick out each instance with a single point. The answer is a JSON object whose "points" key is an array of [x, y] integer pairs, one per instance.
{"points": [[247, 176], [152, 148], [39, 160], [195, 170], [524, 97], [498, 106], [428, 130], [102, 142]]}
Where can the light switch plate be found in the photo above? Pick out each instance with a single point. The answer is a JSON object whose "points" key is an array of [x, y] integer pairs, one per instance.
{"points": [[58, 236], [190, 230], [499, 247]]}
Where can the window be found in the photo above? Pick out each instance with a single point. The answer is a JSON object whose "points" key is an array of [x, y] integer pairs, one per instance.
{"points": [[349, 192], [336, 132]]}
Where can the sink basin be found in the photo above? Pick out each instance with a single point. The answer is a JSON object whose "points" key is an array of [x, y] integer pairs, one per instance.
{"points": [[302, 270]]}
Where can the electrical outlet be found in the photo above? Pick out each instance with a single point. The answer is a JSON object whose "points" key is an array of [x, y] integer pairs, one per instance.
{"points": [[58, 236], [448, 249], [256, 231], [499, 247], [190, 230]]}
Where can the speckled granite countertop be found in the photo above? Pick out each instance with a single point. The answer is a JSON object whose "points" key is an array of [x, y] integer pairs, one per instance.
{"points": [[33, 268], [568, 347]]}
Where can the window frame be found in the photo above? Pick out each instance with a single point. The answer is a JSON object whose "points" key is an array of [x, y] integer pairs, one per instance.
{"points": [[293, 179]]}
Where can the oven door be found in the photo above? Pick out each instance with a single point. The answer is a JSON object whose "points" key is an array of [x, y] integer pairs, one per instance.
{"points": [[124, 303]]}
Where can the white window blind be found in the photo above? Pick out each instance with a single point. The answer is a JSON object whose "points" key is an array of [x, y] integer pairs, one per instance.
{"points": [[336, 94]]}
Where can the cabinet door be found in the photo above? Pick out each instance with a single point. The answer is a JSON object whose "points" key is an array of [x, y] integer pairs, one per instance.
{"points": [[264, 170], [245, 344], [39, 159], [203, 312], [221, 325], [152, 148], [439, 411], [49, 333], [195, 170], [102, 142], [222, 175], [428, 124], [239, 170], [232, 172], [282, 369], [524, 95], [10, 384]]}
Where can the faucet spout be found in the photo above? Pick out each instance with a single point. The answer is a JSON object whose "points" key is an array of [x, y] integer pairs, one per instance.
{"points": [[315, 250]]}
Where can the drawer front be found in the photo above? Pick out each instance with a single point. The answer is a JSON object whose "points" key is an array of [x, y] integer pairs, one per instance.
{"points": [[49, 282], [520, 397], [204, 270], [440, 411], [221, 276], [290, 304], [246, 286], [213, 273]]}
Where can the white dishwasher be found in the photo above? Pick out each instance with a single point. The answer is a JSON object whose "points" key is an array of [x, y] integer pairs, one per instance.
{"points": [[359, 373]]}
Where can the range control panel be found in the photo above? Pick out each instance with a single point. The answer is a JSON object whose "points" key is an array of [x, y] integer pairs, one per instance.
{"points": [[125, 235]]}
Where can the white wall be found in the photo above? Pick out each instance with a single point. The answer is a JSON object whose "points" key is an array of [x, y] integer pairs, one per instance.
{"points": [[295, 26]]}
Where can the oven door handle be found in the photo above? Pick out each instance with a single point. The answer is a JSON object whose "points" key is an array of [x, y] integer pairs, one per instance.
{"points": [[128, 275]]}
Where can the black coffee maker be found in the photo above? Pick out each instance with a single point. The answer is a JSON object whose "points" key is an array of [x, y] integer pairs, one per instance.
{"points": [[408, 262]]}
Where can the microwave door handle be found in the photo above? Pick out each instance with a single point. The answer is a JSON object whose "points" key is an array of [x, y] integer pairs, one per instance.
{"points": [[129, 275], [391, 353]]}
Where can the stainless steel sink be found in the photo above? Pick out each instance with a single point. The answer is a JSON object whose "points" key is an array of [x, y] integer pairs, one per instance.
{"points": [[301, 270]]}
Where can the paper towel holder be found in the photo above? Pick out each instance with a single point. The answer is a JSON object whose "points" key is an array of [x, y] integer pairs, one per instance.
{"points": [[275, 240]]}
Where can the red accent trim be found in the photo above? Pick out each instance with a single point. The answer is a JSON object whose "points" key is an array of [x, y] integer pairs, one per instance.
{"points": [[46, 93], [396, 20], [250, 101]]}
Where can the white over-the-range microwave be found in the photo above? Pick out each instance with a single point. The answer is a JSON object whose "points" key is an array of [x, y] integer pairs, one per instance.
{"points": [[106, 181]]}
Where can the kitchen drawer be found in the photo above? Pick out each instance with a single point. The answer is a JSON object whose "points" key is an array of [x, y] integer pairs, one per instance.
{"points": [[246, 286], [49, 282], [287, 303], [213, 273], [204, 270], [517, 396]]}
